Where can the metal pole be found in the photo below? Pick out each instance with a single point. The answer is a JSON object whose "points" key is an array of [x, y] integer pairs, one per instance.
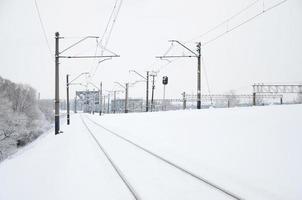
{"points": [[75, 104], [93, 103], [57, 96], [114, 101], [67, 92], [101, 98], [108, 103], [184, 105], [164, 98], [254, 95], [147, 92], [199, 76], [104, 103], [152, 97], [126, 98]]}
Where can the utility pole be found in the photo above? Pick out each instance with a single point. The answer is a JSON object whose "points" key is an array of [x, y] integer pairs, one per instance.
{"points": [[114, 101], [57, 94], [254, 95], [75, 104], [153, 87], [147, 92], [101, 97], [104, 103], [113, 107], [126, 87], [108, 104], [147, 86], [199, 75], [195, 55], [184, 105], [126, 97], [93, 102], [57, 85], [67, 93], [68, 83]]}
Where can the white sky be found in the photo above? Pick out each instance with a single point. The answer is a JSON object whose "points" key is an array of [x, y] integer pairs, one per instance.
{"points": [[267, 49]]}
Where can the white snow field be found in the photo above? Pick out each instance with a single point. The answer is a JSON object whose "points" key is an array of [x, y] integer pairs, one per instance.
{"points": [[253, 153]]}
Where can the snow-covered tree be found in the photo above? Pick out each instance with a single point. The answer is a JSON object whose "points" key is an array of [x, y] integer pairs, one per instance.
{"points": [[21, 120]]}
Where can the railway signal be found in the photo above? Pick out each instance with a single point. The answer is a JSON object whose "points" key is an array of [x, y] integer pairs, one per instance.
{"points": [[165, 82], [194, 54]]}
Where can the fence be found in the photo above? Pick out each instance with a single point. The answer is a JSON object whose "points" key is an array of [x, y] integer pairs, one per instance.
{"points": [[184, 103], [190, 102]]}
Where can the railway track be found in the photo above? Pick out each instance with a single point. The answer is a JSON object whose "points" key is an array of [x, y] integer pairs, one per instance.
{"points": [[115, 167], [180, 168]]}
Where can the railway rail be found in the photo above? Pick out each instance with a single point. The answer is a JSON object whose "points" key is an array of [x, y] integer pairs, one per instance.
{"points": [[182, 169], [118, 171]]}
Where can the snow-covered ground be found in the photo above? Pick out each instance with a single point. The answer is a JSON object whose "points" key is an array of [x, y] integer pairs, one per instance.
{"points": [[255, 153]]}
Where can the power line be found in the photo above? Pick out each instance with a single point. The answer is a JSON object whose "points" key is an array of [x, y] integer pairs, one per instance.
{"points": [[209, 31], [110, 18], [43, 28], [206, 76], [244, 22], [228, 30], [113, 23], [225, 21], [109, 28], [93, 69]]}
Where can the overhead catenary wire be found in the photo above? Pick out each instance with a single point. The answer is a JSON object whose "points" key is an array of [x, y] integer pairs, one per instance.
{"points": [[228, 30], [43, 28], [225, 21], [216, 27], [93, 68], [105, 38], [206, 77], [113, 23], [209, 183]]}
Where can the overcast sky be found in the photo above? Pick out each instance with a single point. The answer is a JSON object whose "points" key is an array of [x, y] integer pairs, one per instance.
{"points": [[267, 49]]}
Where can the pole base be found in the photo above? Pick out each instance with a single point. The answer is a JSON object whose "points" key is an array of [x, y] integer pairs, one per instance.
{"points": [[57, 125], [198, 104]]}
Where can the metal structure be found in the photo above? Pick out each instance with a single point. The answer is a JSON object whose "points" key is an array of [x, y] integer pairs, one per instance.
{"points": [[67, 97], [165, 82], [89, 99], [68, 83], [58, 55], [217, 100], [274, 89], [197, 55], [147, 86], [126, 87], [113, 101], [153, 88]]}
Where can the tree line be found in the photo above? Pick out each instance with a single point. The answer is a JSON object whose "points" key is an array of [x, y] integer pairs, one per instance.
{"points": [[22, 117]]}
